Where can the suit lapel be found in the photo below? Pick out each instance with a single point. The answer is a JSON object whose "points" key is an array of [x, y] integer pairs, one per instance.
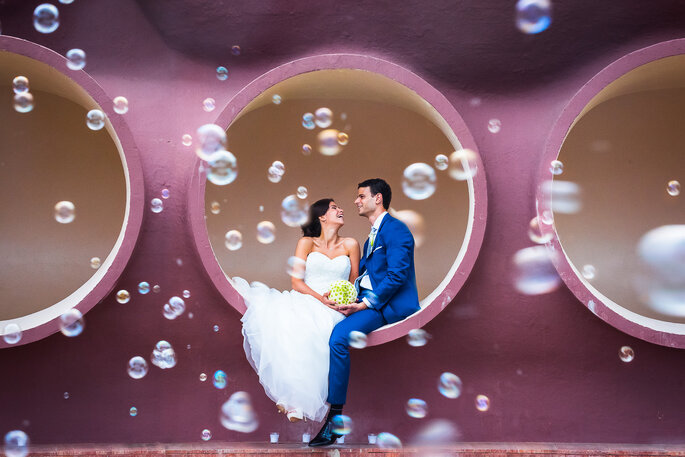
{"points": [[378, 234]]}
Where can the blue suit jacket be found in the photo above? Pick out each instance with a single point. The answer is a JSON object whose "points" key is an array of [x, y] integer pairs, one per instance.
{"points": [[391, 270]]}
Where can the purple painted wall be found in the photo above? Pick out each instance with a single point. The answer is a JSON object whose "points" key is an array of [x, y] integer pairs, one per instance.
{"points": [[549, 366]]}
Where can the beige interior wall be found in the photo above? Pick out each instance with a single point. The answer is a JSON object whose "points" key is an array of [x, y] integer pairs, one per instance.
{"points": [[384, 139], [46, 156], [623, 187]]}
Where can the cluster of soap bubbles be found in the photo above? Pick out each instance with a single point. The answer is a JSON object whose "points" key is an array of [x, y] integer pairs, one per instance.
{"points": [[163, 355], [211, 147], [23, 99], [237, 414], [174, 308], [330, 141], [419, 180]]}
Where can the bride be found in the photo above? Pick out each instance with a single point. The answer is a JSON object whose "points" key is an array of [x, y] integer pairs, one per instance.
{"points": [[286, 333]]}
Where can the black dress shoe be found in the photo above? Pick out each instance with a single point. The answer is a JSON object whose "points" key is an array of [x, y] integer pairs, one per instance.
{"points": [[325, 437]]}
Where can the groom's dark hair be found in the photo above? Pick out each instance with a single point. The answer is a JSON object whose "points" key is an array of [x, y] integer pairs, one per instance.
{"points": [[378, 186]]}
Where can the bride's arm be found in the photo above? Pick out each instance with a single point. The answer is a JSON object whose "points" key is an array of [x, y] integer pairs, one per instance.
{"points": [[355, 254], [304, 247]]}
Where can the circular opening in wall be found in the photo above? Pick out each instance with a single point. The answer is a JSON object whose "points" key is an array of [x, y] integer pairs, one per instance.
{"points": [[374, 119], [66, 193], [617, 209]]}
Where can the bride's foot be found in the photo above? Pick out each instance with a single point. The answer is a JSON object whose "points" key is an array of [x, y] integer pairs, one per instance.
{"points": [[294, 415]]}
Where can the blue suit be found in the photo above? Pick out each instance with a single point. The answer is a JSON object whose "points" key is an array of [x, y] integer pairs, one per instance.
{"points": [[390, 267]]}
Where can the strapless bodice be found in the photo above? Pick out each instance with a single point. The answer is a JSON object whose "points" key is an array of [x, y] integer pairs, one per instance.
{"points": [[321, 271]]}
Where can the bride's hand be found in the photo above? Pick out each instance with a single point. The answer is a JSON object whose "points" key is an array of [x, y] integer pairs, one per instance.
{"points": [[327, 301]]}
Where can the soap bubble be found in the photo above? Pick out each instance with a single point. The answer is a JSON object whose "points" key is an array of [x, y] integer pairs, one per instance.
{"points": [[296, 267], [163, 355], [220, 379], [137, 367], [494, 125], [16, 442], [76, 59], [215, 328], [46, 18], [357, 340], [187, 139], [626, 354], [215, 207], [308, 121], [235, 50], [95, 263], [343, 138], [208, 104], [533, 16], [120, 105], [203, 377], [302, 192], [294, 211], [673, 188], [65, 212], [12, 333], [165, 193], [660, 281], [23, 102], [323, 117], [123, 296], [221, 73], [95, 119], [437, 432], [388, 441], [20, 84], [206, 435], [186, 293], [556, 167], [133, 412], [237, 414], [449, 385], [276, 99], [266, 232], [416, 408], [210, 139], [565, 196], [156, 205], [482, 403], [71, 323], [306, 149], [536, 234], [328, 142], [589, 271], [341, 424], [233, 240], [274, 175], [414, 221], [417, 337], [463, 164], [66, 395], [174, 308], [223, 168], [419, 181], [66, 2], [279, 167], [534, 272], [156, 288], [442, 162]]}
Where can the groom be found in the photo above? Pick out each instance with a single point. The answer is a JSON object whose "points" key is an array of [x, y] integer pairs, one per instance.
{"points": [[386, 286]]}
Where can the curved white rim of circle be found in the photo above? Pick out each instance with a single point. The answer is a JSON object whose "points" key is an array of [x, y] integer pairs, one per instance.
{"points": [[455, 278], [646, 328], [43, 323]]}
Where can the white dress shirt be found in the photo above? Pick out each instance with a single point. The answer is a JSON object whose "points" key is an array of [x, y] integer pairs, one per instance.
{"points": [[365, 281]]}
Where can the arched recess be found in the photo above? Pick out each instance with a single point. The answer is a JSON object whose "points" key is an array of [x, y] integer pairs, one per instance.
{"points": [[357, 86], [620, 142], [50, 155]]}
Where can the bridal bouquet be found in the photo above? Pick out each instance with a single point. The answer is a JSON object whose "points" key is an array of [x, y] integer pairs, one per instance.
{"points": [[343, 292]]}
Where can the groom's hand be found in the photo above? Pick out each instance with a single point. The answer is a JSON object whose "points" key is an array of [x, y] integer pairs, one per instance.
{"points": [[352, 308]]}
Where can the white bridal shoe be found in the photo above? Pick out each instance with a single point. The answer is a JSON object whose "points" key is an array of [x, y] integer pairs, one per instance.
{"points": [[295, 415]]}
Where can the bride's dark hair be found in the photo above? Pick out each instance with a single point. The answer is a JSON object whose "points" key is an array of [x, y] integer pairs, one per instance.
{"points": [[318, 209]]}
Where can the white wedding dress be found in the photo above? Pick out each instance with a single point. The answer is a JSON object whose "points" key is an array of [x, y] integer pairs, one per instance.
{"points": [[286, 336]]}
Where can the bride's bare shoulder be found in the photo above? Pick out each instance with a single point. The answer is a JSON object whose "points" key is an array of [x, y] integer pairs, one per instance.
{"points": [[350, 243], [305, 242]]}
